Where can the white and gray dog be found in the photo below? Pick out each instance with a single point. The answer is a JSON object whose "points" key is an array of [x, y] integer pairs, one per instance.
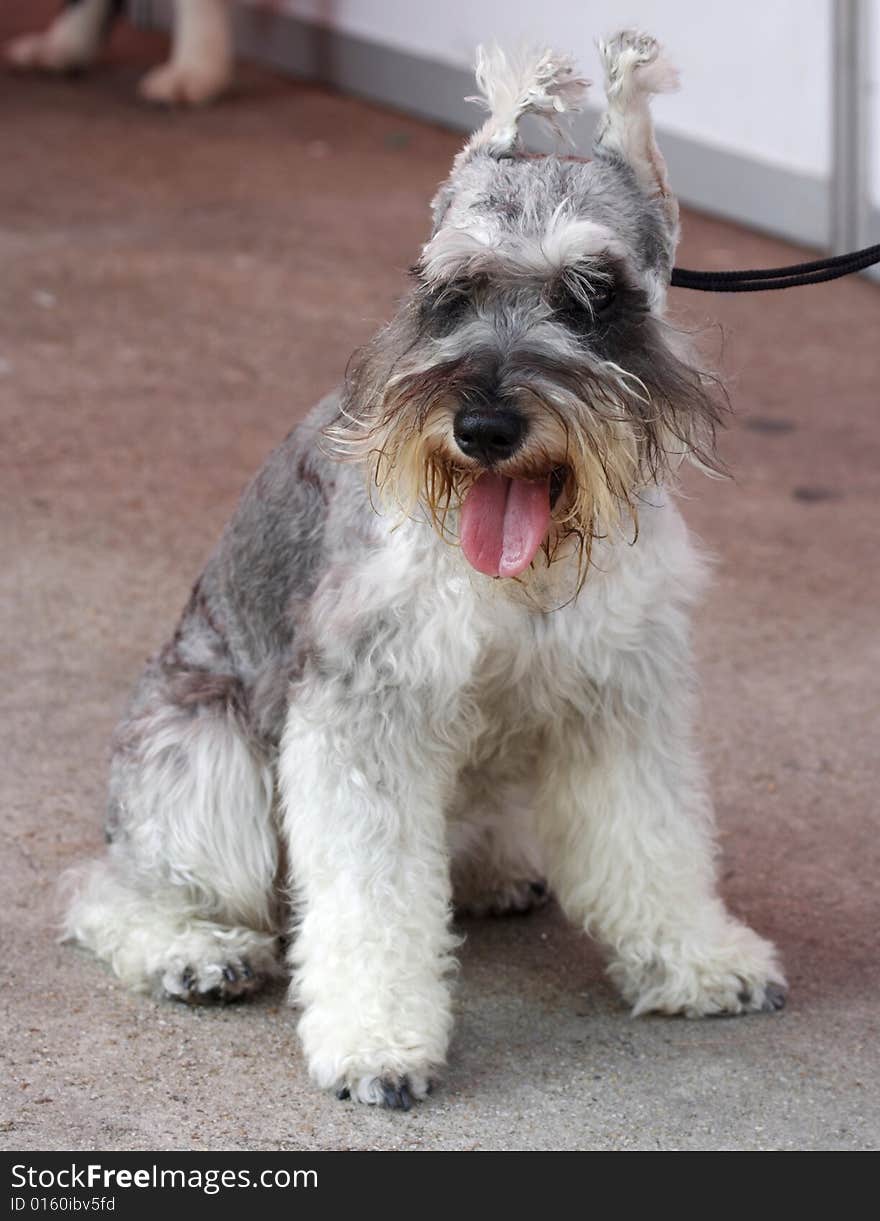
{"points": [[441, 651]]}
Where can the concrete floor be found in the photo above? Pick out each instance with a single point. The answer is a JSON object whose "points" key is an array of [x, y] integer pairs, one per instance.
{"points": [[176, 290]]}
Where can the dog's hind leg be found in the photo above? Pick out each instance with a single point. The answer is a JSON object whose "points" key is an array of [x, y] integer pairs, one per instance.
{"points": [[71, 42], [183, 903], [155, 939]]}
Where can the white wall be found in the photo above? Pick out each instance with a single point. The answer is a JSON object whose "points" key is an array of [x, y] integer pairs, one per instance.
{"points": [[756, 75]]}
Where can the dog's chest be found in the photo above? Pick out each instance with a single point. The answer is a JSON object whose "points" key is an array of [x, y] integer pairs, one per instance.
{"points": [[529, 651]]}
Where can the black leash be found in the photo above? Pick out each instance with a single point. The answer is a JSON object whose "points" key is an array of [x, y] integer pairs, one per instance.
{"points": [[764, 278]]}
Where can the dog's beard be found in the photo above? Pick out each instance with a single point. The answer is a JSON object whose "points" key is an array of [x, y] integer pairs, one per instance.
{"points": [[598, 437]]}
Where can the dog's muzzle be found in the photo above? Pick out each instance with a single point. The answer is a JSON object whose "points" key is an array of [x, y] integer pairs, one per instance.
{"points": [[504, 520]]}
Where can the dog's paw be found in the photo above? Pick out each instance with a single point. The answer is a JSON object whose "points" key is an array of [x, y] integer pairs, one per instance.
{"points": [[375, 1038], [388, 1074], [739, 973], [209, 965], [775, 996], [203, 983], [393, 1092], [51, 51], [182, 84], [515, 897]]}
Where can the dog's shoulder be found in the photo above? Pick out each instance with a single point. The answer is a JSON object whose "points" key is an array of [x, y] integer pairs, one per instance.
{"points": [[296, 515]]}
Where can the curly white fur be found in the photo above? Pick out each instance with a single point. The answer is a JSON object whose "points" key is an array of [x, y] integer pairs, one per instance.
{"points": [[538, 82], [635, 68]]}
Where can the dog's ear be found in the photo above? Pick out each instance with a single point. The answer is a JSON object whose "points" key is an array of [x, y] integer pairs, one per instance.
{"points": [[635, 68], [539, 82]]}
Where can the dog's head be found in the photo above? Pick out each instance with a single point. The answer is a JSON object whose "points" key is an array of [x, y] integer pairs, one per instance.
{"points": [[529, 387]]}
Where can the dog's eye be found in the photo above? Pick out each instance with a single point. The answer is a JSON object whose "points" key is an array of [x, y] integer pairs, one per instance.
{"points": [[582, 310], [603, 298], [443, 312]]}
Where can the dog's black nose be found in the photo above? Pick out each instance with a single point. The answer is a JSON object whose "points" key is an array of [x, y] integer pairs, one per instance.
{"points": [[489, 434]]}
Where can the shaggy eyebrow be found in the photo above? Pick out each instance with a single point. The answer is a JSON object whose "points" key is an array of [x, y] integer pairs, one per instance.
{"points": [[589, 275], [564, 242], [578, 280], [463, 279], [461, 287], [594, 274]]}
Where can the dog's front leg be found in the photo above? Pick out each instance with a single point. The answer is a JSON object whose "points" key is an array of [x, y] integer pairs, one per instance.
{"points": [[201, 64], [364, 783], [627, 826]]}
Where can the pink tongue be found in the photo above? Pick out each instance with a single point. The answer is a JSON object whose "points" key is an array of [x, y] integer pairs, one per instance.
{"points": [[503, 523]]}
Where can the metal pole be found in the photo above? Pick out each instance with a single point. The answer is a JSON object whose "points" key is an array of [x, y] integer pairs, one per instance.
{"points": [[849, 152]]}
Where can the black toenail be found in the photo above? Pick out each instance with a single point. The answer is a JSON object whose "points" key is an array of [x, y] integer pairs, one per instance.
{"points": [[396, 1096], [774, 998]]}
